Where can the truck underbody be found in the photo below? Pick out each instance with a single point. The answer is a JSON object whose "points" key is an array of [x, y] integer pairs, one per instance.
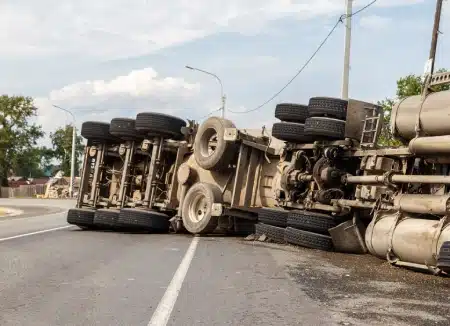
{"points": [[318, 181]]}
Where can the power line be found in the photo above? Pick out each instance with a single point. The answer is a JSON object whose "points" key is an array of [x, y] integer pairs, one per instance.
{"points": [[339, 21]]}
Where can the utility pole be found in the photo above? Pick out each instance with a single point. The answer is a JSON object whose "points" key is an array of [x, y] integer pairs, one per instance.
{"points": [[429, 70], [348, 36], [72, 163]]}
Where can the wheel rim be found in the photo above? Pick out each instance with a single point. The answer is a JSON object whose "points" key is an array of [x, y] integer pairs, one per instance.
{"points": [[209, 141], [198, 208]]}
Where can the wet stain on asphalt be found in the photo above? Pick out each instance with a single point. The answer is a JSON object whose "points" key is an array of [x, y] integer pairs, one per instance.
{"points": [[366, 290]]}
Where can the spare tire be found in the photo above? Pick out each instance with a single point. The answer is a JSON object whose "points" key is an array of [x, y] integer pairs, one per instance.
{"points": [[290, 112], [291, 132], [97, 131], [124, 128], [211, 150], [328, 107], [325, 127], [159, 124]]}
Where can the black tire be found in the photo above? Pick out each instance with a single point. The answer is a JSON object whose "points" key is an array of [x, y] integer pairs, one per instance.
{"points": [[195, 219], [124, 128], [328, 107], [97, 131], [81, 217], [443, 261], [274, 233], [159, 124], [290, 112], [144, 220], [107, 219], [308, 239], [290, 132], [311, 221], [273, 216], [223, 152], [325, 127]]}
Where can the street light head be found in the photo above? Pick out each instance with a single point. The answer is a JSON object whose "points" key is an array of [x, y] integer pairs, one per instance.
{"points": [[189, 67]]}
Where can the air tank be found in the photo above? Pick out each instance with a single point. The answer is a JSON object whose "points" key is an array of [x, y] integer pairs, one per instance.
{"points": [[414, 240], [434, 115]]}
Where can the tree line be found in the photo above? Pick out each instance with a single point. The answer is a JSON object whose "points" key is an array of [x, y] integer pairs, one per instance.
{"points": [[20, 153]]}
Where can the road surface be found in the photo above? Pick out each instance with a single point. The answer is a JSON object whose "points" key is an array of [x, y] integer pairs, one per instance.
{"points": [[55, 274]]}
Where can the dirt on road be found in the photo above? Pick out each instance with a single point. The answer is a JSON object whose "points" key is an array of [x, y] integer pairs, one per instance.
{"points": [[365, 290]]}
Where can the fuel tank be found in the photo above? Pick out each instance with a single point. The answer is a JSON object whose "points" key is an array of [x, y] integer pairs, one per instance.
{"points": [[434, 114], [414, 240]]}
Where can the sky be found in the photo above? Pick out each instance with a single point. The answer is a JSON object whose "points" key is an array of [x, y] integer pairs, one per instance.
{"points": [[114, 58]]}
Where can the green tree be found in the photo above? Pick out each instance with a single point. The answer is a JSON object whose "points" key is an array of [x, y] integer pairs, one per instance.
{"points": [[62, 148], [33, 162], [406, 86], [17, 134]]}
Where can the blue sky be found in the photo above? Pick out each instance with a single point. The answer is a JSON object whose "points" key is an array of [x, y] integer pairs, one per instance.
{"points": [[115, 59]]}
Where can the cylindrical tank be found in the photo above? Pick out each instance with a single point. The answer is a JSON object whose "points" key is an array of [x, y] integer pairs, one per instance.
{"points": [[434, 115], [430, 145], [412, 239]]}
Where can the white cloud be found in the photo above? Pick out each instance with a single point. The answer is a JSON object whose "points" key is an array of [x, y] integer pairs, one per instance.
{"points": [[100, 100], [375, 22], [109, 29]]}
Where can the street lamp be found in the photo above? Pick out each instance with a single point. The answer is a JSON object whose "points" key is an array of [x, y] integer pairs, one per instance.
{"points": [[72, 163], [223, 97]]}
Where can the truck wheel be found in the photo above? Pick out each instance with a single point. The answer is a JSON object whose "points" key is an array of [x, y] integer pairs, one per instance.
{"points": [[124, 128], [311, 221], [443, 261], [197, 208], [308, 239], [107, 218], [289, 112], [325, 127], [328, 107], [159, 124], [97, 131], [274, 233], [273, 216], [145, 220], [81, 217], [211, 151], [291, 132]]}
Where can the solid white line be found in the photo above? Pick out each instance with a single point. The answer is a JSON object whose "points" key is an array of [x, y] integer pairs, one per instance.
{"points": [[37, 232], [162, 313]]}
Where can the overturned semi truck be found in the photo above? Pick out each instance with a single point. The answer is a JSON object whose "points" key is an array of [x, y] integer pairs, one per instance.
{"points": [[317, 180]]}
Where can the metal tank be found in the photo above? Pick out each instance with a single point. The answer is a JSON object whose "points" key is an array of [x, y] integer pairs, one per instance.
{"points": [[434, 114], [412, 240]]}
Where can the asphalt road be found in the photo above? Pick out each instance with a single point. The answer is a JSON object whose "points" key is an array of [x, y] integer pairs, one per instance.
{"points": [[51, 274]]}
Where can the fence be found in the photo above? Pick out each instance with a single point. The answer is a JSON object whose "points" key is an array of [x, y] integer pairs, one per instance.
{"points": [[22, 191]]}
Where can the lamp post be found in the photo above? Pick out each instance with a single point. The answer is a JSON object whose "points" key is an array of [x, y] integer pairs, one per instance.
{"points": [[223, 96], [72, 163]]}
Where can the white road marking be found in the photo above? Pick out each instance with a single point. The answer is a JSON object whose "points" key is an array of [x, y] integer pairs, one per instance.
{"points": [[37, 232], [162, 313]]}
